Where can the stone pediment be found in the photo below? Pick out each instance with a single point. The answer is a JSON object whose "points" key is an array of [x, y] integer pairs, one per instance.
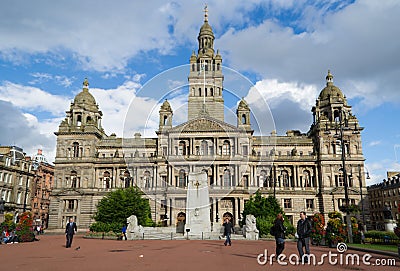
{"points": [[204, 124]]}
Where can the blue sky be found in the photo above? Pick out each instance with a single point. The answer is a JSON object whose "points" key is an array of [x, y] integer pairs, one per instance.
{"points": [[284, 47]]}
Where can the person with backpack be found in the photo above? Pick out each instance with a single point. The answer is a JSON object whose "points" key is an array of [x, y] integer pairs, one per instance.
{"points": [[279, 231], [303, 233]]}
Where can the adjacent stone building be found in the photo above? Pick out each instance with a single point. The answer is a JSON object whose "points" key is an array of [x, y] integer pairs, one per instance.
{"points": [[384, 195], [41, 189], [20, 178], [303, 170]]}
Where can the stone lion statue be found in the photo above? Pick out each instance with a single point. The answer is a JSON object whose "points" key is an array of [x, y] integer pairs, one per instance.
{"points": [[133, 230], [250, 229]]}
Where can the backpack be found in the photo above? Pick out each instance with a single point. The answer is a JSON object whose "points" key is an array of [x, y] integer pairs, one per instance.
{"points": [[272, 230]]}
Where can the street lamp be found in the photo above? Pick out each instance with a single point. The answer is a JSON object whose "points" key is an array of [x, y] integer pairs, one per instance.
{"points": [[345, 183], [155, 192], [362, 200]]}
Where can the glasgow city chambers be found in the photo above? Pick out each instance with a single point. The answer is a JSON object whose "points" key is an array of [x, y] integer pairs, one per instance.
{"points": [[313, 171]]}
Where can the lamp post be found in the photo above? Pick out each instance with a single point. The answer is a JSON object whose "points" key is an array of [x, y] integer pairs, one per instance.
{"points": [[362, 200], [345, 183], [155, 192]]}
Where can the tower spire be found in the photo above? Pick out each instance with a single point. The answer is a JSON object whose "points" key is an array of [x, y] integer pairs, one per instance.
{"points": [[86, 85], [205, 13]]}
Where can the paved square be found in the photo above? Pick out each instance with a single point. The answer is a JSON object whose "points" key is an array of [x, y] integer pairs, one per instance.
{"points": [[93, 254]]}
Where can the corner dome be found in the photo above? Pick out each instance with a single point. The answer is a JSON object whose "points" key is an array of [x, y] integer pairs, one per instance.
{"points": [[243, 105], [84, 97], [166, 106], [330, 90], [206, 29]]}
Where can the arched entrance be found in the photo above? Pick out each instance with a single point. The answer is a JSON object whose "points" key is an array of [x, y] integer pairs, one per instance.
{"points": [[180, 222]]}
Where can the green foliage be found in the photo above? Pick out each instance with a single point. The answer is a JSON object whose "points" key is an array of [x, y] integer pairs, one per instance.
{"points": [[290, 229], [265, 209], [352, 209], [24, 229], [118, 205], [355, 231], [106, 227], [381, 235], [335, 214], [318, 224], [264, 224], [8, 222], [335, 230]]}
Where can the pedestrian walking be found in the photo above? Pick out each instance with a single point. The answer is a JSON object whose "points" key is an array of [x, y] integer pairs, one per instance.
{"points": [[228, 229], [279, 233], [303, 233], [70, 230]]}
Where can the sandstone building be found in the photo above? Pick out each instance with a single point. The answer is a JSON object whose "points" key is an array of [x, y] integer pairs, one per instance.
{"points": [[25, 183], [303, 170]]}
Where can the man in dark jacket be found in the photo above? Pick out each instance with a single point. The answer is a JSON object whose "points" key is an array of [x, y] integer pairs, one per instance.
{"points": [[303, 232], [70, 230], [228, 228]]}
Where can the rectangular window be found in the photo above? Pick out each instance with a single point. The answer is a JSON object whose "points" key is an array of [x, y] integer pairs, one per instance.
{"points": [[71, 204], [310, 203], [245, 150], [287, 203]]}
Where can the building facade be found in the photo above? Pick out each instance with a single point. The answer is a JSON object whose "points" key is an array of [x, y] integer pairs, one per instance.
{"points": [[303, 170], [384, 196], [19, 179], [41, 189]]}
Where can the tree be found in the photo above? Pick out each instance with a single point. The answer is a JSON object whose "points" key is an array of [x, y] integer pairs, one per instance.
{"points": [[118, 205], [265, 209]]}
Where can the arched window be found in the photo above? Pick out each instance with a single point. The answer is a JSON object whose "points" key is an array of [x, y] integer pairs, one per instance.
{"points": [[165, 120], [204, 147], [78, 120], [211, 92], [244, 119], [75, 147], [146, 179], [193, 67], [226, 148], [182, 148], [107, 179], [199, 92], [227, 178], [182, 178], [218, 66]]}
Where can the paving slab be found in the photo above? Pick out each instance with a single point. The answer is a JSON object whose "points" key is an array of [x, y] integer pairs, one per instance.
{"points": [[49, 253]]}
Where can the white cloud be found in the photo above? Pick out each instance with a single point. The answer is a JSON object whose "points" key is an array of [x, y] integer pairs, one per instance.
{"points": [[358, 43], [32, 98], [375, 143]]}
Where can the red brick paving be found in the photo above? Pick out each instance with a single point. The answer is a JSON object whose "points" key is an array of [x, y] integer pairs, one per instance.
{"points": [[50, 254]]}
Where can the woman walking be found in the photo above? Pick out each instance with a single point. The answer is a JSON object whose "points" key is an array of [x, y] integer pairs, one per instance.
{"points": [[279, 231]]}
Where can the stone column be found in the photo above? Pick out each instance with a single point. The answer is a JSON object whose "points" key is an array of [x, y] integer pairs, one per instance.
{"points": [[237, 213]]}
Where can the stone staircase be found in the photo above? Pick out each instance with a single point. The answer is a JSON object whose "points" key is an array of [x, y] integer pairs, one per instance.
{"points": [[169, 233]]}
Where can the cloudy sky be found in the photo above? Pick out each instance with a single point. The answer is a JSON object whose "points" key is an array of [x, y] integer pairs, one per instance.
{"points": [[283, 47]]}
